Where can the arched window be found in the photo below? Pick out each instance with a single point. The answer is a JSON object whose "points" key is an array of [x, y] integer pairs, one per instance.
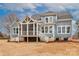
{"points": [[46, 20]]}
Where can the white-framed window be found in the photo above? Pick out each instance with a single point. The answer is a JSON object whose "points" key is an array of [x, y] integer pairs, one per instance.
{"points": [[68, 29], [59, 29], [15, 30], [46, 29], [51, 19], [42, 29], [63, 29], [46, 19], [50, 29]]}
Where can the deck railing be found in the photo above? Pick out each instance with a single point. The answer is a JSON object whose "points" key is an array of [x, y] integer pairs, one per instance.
{"points": [[29, 33]]}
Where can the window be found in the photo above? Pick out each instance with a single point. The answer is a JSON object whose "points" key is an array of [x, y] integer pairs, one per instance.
{"points": [[46, 20], [50, 29], [42, 29], [59, 29], [51, 19], [15, 30], [46, 29], [68, 29], [63, 29]]}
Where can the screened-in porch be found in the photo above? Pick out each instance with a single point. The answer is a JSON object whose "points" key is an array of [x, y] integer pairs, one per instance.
{"points": [[29, 29]]}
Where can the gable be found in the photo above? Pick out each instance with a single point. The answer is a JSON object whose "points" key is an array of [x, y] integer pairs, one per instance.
{"points": [[26, 19]]}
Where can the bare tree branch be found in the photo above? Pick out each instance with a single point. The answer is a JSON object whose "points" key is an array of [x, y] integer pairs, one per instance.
{"points": [[9, 19]]}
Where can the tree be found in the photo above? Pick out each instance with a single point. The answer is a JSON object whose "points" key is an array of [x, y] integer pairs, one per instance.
{"points": [[8, 20], [1, 35]]}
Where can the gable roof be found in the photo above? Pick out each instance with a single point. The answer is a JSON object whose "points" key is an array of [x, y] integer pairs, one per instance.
{"points": [[26, 19], [63, 15], [60, 15]]}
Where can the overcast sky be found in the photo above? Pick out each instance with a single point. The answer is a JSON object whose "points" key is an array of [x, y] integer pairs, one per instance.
{"points": [[30, 8], [23, 9]]}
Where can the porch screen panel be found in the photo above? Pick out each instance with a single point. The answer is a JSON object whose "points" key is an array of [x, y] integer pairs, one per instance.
{"points": [[30, 29], [35, 29], [24, 29]]}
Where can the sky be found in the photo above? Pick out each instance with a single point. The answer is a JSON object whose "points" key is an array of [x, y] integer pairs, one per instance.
{"points": [[24, 9]]}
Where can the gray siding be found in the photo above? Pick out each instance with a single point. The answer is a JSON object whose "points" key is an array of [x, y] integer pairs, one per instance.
{"points": [[63, 23]]}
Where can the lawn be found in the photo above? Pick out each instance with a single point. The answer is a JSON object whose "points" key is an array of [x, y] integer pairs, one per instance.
{"points": [[40, 48]]}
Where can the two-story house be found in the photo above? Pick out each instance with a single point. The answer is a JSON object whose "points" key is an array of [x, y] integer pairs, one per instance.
{"points": [[46, 26]]}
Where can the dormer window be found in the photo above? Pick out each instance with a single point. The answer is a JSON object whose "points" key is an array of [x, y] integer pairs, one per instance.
{"points": [[46, 20]]}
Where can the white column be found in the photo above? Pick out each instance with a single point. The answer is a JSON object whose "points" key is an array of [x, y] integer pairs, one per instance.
{"points": [[53, 31], [37, 32], [21, 28], [11, 33], [27, 32], [65, 29], [18, 33], [33, 28]]}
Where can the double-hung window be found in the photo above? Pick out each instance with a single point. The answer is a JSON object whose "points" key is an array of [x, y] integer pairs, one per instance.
{"points": [[63, 29], [50, 29], [42, 29], [59, 29], [68, 29], [46, 19], [46, 29], [15, 30]]}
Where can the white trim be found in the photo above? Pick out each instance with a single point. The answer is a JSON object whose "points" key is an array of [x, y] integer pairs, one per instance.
{"points": [[64, 19], [61, 29]]}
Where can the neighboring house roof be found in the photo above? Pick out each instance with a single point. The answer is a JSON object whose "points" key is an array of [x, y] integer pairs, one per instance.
{"points": [[60, 15]]}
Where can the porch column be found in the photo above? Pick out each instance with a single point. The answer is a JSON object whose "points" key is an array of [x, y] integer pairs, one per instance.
{"points": [[33, 28], [18, 33], [10, 34], [53, 28], [37, 32], [27, 32], [21, 28]]}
